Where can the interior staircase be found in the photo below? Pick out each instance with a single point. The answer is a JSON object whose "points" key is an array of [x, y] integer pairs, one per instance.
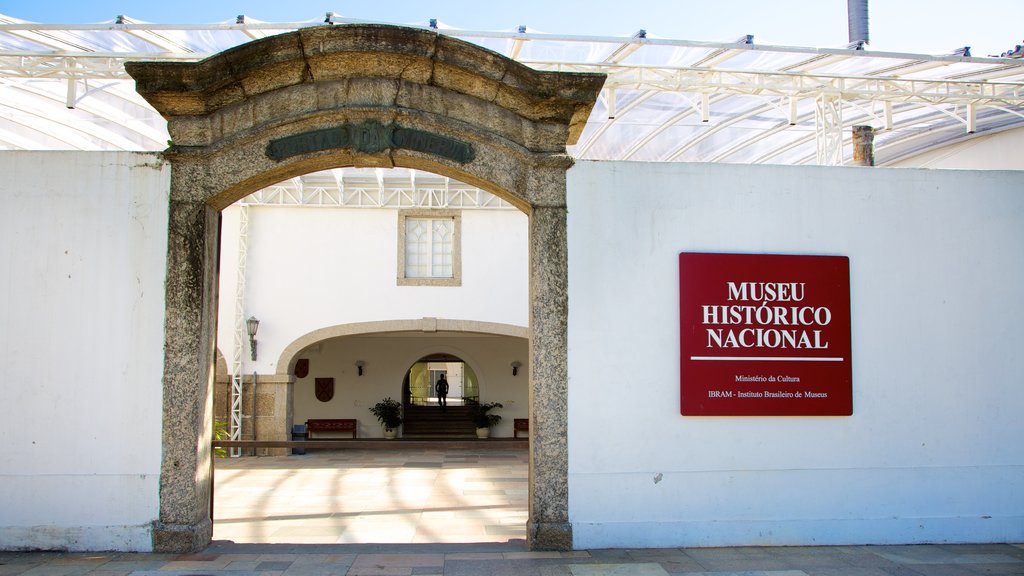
{"points": [[432, 422]]}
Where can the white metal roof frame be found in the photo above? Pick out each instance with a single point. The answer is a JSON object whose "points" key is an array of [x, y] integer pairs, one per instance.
{"points": [[63, 86]]}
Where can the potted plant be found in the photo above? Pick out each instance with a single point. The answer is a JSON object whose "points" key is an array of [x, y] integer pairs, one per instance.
{"points": [[479, 414], [220, 432], [389, 412]]}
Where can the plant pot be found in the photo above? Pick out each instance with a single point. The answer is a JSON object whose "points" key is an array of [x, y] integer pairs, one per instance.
{"points": [[390, 433], [483, 433]]}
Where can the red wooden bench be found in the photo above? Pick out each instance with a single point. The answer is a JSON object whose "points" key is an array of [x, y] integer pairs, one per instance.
{"points": [[520, 425], [331, 425]]}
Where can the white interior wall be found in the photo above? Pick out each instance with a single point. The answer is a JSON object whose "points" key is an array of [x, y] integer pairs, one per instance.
{"points": [[81, 333], [389, 357], [932, 451], [312, 268]]}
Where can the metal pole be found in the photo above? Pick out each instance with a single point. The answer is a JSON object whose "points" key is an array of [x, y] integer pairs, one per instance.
{"points": [[253, 415], [857, 14]]}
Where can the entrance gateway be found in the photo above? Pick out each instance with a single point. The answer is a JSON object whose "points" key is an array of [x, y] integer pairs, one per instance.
{"points": [[363, 96]]}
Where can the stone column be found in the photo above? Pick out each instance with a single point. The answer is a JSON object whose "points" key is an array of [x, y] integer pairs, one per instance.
{"points": [[189, 334], [863, 146], [548, 527], [274, 415]]}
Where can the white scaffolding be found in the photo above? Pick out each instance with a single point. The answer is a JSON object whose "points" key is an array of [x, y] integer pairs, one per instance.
{"points": [[376, 188], [63, 86], [239, 332], [828, 131]]}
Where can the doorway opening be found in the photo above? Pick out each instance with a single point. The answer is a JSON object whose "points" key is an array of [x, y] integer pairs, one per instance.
{"points": [[273, 267], [420, 384], [426, 416], [432, 492]]}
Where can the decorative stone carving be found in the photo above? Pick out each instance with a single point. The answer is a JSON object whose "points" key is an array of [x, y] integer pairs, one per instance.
{"points": [[370, 137]]}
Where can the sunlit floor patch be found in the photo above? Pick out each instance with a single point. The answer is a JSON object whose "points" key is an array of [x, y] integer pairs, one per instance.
{"points": [[404, 495]]}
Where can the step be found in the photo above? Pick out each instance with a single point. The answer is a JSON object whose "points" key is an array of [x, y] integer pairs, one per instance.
{"points": [[452, 421], [438, 428]]}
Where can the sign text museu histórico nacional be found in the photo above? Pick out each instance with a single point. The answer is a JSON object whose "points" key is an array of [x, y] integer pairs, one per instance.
{"points": [[764, 335]]}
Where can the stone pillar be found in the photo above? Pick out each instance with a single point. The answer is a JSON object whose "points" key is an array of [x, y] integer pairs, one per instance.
{"points": [[548, 527], [863, 146], [274, 413], [189, 333]]}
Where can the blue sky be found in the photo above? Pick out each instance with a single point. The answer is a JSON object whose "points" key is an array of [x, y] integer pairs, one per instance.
{"points": [[919, 26]]}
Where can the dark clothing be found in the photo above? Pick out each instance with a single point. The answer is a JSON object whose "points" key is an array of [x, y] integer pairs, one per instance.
{"points": [[442, 391]]}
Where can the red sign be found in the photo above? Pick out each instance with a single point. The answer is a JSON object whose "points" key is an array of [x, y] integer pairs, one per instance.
{"points": [[764, 335]]}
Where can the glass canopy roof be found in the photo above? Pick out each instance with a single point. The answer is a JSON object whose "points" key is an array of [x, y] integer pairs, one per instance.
{"points": [[63, 87]]}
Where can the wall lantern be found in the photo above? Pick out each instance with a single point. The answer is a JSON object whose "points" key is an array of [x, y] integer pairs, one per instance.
{"points": [[359, 366], [251, 326], [515, 367]]}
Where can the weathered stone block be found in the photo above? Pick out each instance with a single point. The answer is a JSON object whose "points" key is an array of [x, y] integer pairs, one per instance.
{"points": [[360, 91]]}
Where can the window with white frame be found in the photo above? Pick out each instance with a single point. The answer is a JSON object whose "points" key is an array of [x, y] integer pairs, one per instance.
{"points": [[429, 250]]}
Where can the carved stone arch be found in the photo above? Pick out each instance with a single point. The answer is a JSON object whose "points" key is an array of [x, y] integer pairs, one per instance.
{"points": [[365, 96]]}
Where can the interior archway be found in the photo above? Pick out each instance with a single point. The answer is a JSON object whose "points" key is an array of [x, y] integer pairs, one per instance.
{"points": [[432, 412], [365, 96], [389, 348], [419, 387]]}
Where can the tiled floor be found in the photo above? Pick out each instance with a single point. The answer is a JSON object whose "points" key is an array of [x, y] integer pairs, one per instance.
{"points": [[377, 496]]}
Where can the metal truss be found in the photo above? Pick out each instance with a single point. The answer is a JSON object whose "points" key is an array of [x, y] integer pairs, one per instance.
{"points": [[829, 130], [80, 66], [70, 57], [806, 85], [332, 189], [707, 79], [977, 87], [239, 333]]}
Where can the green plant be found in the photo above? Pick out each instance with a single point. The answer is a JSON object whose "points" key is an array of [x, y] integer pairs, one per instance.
{"points": [[220, 432], [389, 412], [479, 413]]}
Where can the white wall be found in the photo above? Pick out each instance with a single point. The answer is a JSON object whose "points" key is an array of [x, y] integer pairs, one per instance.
{"points": [[932, 452], [82, 269], [312, 268], [388, 358]]}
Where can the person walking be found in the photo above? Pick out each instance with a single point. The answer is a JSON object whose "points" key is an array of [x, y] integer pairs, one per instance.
{"points": [[442, 392]]}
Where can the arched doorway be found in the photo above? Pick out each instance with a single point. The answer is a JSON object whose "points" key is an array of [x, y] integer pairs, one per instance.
{"points": [[419, 387], [425, 414], [357, 95]]}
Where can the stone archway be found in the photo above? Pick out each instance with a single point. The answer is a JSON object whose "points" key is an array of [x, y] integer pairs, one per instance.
{"points": [[366, 96], [286, 362], [430, 346]]}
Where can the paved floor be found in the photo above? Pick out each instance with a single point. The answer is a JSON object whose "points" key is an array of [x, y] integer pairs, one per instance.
{"points": [[410, 496], [509, 559], [397, 513]]}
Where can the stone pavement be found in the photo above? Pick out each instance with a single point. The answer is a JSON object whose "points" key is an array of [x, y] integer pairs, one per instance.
{"points": [[511, 559], [401, 495]]}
